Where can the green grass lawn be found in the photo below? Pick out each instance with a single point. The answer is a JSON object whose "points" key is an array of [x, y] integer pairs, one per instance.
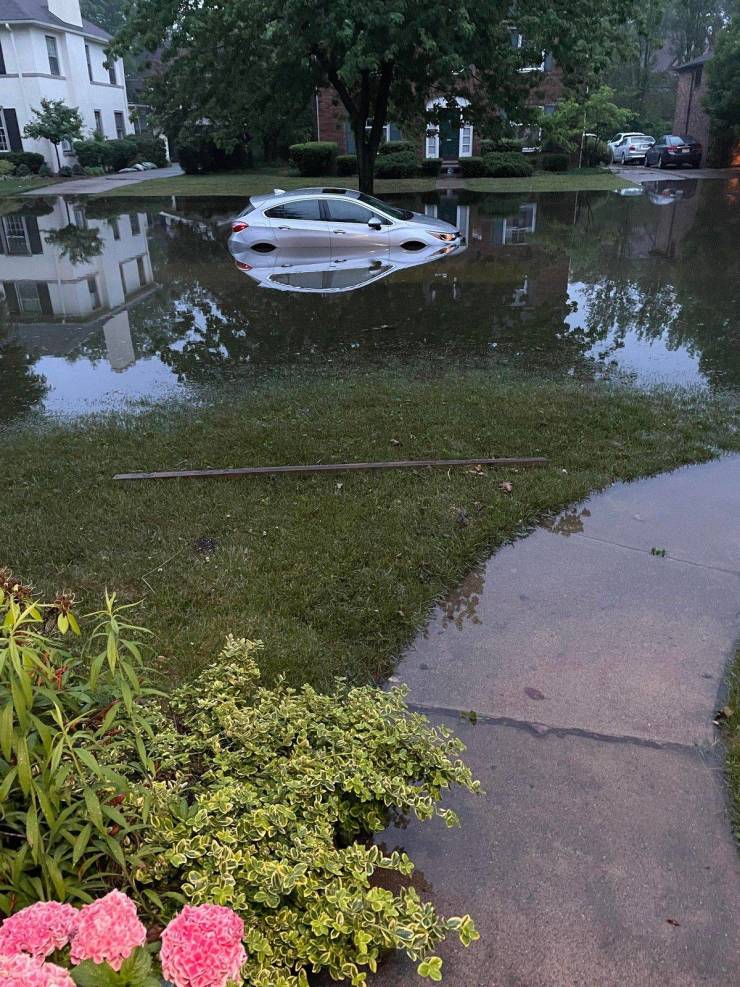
{"points": [[255, 182], [335, 573], [16, 186]]}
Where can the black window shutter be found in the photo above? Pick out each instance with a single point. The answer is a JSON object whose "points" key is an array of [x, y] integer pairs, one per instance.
{"points": [[14, 134], [2, 61], [34, 237], [11, 297], [44, 298]]}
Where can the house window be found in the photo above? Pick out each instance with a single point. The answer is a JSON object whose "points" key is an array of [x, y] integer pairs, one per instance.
{"points": [[29, 300], [4, 142], [142, 270], [116, 229], [53, 53], [120, 126], [67, 147], [98, 122], [3, 70], [92, 287], [466, 141], [89, 63], [16, 236], [80, 217], [112, 74], [135, 224]]}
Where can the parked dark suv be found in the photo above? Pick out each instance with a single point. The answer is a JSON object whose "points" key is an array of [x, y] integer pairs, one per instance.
{"points": [[674, 149]]}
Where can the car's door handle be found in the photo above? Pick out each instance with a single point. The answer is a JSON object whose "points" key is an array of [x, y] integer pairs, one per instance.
{"points": [[339, 232], [283, 227]]}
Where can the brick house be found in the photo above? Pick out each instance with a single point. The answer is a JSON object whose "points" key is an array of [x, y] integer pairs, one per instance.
{"points": [[690, 117], [453, 139]]}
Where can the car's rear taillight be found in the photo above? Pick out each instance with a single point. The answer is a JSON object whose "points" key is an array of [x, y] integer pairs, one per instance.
{"points": [[671, 150], [242, 266], [632, 148], [238, 226]]}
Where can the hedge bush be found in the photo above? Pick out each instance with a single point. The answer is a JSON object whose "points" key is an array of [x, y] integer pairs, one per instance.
{"points": [[507, 164], [268, 799], [119, 153], [199, 154], [91, 153], [492, 146], [402, 164], [396, 147], [472, 167], [347, 164], [30, 159], [314, 157], [431, 166], [149, 148], [6, 168], [555, 161]]}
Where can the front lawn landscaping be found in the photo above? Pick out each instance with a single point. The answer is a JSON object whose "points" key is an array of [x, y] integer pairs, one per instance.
{"points": [[334, 573], [730, 720], [16, 186], [255, 183]]}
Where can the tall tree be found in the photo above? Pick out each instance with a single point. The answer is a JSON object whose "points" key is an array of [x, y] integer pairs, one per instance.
{"points": [[722, 101], [691, 25], [229, 60], [55, 122]]}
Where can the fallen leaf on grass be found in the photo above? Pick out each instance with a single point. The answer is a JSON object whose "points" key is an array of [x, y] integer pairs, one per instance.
{"points": [[395, 442], [673, 922], [505, 487]]}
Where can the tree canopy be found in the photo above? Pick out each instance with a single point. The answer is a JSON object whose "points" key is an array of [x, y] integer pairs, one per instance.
{"points": [[236, 63], [55, 122]]}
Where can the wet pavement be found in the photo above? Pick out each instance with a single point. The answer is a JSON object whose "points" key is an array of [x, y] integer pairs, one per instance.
{"points": [[602, 852], [105, 302], [103, 185]]}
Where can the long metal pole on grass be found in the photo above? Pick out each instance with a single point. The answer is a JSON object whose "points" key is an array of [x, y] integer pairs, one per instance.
{"points": [[516, 461]]}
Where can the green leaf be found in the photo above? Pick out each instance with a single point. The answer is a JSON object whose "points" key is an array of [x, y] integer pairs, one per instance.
{"points": [[24, 765], [6, 731], [80, 844], [93, 808], [430, 968]]}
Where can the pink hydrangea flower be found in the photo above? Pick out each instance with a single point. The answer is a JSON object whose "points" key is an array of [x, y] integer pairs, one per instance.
{"points": [[202, 947], [39, 929], [27, 971], [108, 931]]}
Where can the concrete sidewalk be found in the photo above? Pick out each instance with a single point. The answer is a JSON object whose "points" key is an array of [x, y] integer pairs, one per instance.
{"points": [[106, 183], [602, 853]]}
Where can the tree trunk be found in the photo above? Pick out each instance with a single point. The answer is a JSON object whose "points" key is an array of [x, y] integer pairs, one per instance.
{"points": [[59, 163], [365, 162]]}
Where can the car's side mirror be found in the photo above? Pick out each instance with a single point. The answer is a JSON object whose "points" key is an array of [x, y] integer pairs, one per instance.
{"points": [[375, 224]]}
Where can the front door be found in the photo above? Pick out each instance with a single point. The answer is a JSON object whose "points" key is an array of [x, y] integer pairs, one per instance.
{"points": [[449, 137]]}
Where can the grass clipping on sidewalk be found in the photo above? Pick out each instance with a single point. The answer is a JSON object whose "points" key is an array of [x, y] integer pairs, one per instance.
{"points": [[335, 572]]}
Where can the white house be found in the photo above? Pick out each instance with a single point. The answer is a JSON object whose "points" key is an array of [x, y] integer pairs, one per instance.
{"points": [[48, 50]]}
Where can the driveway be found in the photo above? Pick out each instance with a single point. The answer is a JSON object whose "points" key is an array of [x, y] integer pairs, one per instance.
{"points": [[641, 174], [99, 186]]}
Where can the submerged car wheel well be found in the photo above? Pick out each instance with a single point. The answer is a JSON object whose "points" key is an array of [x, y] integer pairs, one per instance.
{"points": [[263, 248], [413, 245]]}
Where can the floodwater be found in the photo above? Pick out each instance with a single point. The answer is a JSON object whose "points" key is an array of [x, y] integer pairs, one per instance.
{"points": [[108, 302]]}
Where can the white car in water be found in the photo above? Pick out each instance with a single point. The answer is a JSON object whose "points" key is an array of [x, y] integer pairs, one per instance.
{"points": [[334, 222]]}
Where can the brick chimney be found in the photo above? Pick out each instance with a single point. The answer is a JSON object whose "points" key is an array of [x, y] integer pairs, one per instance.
{"points": [[66, 10]]}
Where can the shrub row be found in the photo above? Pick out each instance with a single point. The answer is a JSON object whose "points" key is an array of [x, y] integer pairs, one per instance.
{"points": [[27, 159], [117, 154]]}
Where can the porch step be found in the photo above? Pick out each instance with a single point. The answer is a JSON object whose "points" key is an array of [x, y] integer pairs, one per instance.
{"points": [[450, 168]]}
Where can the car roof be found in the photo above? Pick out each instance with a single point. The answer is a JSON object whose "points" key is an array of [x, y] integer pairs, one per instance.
{"points": [[279, 194]]}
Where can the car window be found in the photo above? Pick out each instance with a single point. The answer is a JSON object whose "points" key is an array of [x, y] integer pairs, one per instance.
{"points": [[673, 141], [300, 209], [349, 212]]}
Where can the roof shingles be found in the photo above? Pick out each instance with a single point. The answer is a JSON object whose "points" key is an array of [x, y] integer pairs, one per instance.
{"points": [[17, 11]]}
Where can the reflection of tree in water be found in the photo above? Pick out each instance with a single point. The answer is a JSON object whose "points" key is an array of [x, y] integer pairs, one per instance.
{"points": [[78, 245], [670, 273], [21, 389], [569, 522], [462, 603]]}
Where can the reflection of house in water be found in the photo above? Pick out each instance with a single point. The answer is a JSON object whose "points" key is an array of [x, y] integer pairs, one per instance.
{"points": [[62, 268]]}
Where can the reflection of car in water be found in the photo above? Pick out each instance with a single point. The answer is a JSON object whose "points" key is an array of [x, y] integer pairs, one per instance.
{"points": [[665, 193], [291, 270], [334, 222]]}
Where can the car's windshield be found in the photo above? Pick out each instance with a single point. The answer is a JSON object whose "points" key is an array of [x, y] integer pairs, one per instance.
{"points": [[374, 203]]}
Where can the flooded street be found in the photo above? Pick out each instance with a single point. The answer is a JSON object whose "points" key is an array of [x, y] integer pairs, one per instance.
{"points": [[106, 302]]}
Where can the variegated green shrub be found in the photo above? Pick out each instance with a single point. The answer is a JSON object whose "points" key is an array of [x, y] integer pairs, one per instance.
{"points": [[268, 803]]}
